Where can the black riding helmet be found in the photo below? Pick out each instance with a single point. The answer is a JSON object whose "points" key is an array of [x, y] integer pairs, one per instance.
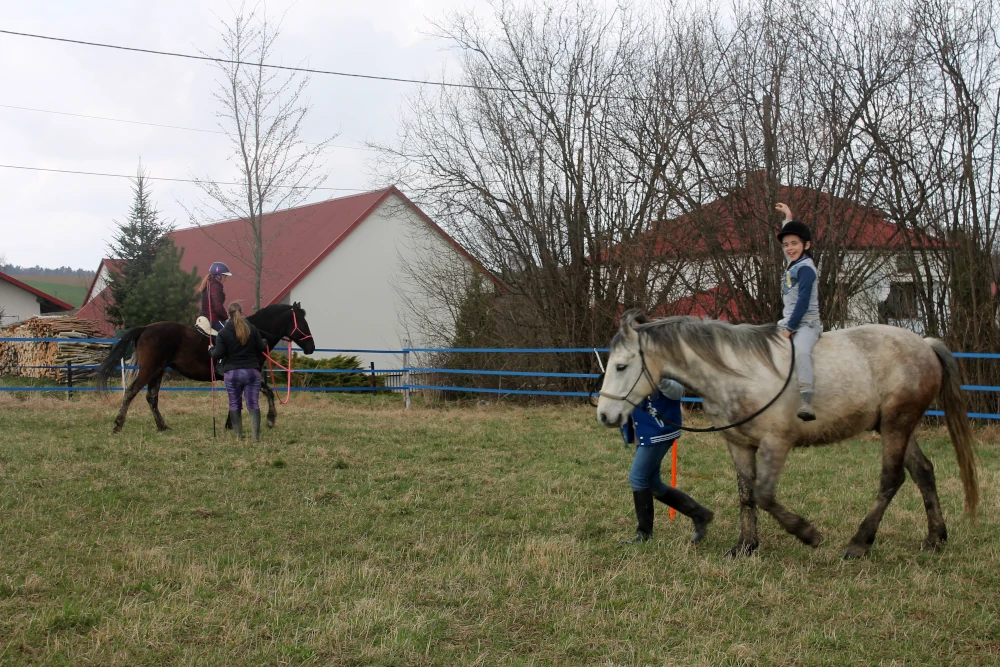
{"points": [[797, 228]]}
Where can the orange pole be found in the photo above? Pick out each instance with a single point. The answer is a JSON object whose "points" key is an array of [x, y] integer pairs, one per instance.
{"points": [[673, 472]]}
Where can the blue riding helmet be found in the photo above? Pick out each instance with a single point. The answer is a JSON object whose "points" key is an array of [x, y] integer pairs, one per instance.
{"points": [[218, 269]]}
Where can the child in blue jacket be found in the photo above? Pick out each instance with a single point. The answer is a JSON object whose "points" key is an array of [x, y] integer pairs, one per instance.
{"points": [[654, 437], [800, 318]]}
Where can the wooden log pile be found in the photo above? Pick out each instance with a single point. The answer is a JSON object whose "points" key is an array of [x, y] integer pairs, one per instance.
{"points": [[24, 359]]}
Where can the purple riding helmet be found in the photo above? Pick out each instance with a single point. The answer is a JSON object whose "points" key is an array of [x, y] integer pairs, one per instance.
{"points": [[218, 269]]}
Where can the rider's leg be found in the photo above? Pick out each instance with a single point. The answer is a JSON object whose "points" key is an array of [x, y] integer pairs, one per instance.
{"points": [[804, 339]]}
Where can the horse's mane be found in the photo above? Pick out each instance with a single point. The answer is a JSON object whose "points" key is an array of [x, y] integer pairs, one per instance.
{"points": [[705, 338], [277, 309]]}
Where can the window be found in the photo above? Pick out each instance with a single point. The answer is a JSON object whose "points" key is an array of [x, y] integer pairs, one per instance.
{"points": [[901, 304]]}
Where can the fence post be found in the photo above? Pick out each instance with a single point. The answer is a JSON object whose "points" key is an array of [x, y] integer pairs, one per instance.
{"points": [[371, 378], [406, 376], [69, 380]]}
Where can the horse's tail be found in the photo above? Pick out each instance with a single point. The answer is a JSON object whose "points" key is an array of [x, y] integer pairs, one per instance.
{"points": [[116, 355], [956, 417]]}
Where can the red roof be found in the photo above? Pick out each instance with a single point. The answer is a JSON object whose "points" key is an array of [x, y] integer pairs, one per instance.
{"points": [[714, 303], [714, 227], [296, 241], [93, 310], [50, 304]]}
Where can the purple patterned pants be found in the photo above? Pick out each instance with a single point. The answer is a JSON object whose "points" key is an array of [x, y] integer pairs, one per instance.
{"points": [[243, 381]]}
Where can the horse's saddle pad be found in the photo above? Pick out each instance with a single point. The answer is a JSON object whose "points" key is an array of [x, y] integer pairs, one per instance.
{"points": [[204, 326]]}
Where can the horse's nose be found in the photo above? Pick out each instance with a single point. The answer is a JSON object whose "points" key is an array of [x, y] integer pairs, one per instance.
{"points": [[603, 417]]}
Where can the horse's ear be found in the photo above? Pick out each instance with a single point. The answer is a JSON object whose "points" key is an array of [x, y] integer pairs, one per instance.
{"points": [[296, 305], [630, 318]]}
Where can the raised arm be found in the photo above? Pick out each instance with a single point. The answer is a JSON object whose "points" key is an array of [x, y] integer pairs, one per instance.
{"points": [[784, 210]]}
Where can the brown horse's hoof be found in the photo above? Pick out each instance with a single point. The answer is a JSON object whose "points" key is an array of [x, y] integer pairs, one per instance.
{"points": [[812, 537], [742, 549], [932, 545], [854, 551], [116, 430]]}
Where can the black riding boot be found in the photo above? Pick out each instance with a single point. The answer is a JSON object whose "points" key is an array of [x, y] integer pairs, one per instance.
{"points": [[255, 424], [686, 505], [644, 517], [236, 419]]}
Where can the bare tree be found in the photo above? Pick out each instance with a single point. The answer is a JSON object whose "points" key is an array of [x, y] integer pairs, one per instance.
{"points": [[262, 110], [602, 161], [529, 168]]}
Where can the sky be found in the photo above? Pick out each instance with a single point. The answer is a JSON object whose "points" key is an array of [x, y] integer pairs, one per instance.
{"points": [[53, 220]]}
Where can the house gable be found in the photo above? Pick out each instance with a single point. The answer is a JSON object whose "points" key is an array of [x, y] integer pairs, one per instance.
{"points": [[23, 295]]}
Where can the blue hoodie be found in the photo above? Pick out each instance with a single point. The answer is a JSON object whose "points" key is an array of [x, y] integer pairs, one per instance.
{"points": [[643, 424]]}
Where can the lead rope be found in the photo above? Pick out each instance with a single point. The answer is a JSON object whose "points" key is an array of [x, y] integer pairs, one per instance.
{"points": [[716, 429], [271, 363], [713, 429], [211, 361]]}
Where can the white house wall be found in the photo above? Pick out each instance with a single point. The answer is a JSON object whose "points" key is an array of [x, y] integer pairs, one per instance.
{"points": [[17, 304], [351, 298], [100, 282]]}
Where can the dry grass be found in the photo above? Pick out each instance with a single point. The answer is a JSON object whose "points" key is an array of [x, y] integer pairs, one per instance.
{"points": [[357, 534]]}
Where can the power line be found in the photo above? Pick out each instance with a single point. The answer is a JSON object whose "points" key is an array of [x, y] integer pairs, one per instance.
{"points": [[310, 70], [139, 122], [164, 178], [115, 120], [191, 56]]}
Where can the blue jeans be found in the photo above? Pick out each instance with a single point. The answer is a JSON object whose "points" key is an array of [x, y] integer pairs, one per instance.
{"points": [[645, 471]]}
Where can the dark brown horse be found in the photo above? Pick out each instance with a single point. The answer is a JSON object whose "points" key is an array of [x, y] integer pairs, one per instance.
{"points": [[184, 350]]}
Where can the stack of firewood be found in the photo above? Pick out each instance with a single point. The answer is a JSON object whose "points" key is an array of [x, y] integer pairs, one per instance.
{"points": [[29, 359]]}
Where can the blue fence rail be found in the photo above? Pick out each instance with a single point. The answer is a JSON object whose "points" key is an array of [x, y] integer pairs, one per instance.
{"points": [[397, 379]]}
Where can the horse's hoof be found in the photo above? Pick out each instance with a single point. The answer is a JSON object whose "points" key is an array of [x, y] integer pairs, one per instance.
{"points": [[812, 537], [163, 428], [855, 551], [932, 545], [741, 550], [116, 430]]}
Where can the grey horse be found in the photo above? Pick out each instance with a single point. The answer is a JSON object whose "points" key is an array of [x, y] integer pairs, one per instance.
{"points": [[868, 378]]}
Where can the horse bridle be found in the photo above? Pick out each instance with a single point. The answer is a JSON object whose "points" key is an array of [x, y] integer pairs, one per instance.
{"points": [[295, 324], [295, 327], [712, 429]]}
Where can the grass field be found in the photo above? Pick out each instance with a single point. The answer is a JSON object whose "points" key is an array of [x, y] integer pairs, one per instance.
{"points": [[72, 293], [357, 534]]}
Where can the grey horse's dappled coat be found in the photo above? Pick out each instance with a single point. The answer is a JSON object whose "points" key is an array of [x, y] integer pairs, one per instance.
{"points": [[872, 377]]}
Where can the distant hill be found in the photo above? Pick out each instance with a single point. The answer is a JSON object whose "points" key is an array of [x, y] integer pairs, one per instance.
{"points": [[16, 270], [64, 290]]}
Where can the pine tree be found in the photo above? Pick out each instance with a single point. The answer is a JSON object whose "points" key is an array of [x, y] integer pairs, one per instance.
{"points": [[164, 294], [135, 244]]}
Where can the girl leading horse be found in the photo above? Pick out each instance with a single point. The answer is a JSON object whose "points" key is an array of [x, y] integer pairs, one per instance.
{"points": [[183, 349]]}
